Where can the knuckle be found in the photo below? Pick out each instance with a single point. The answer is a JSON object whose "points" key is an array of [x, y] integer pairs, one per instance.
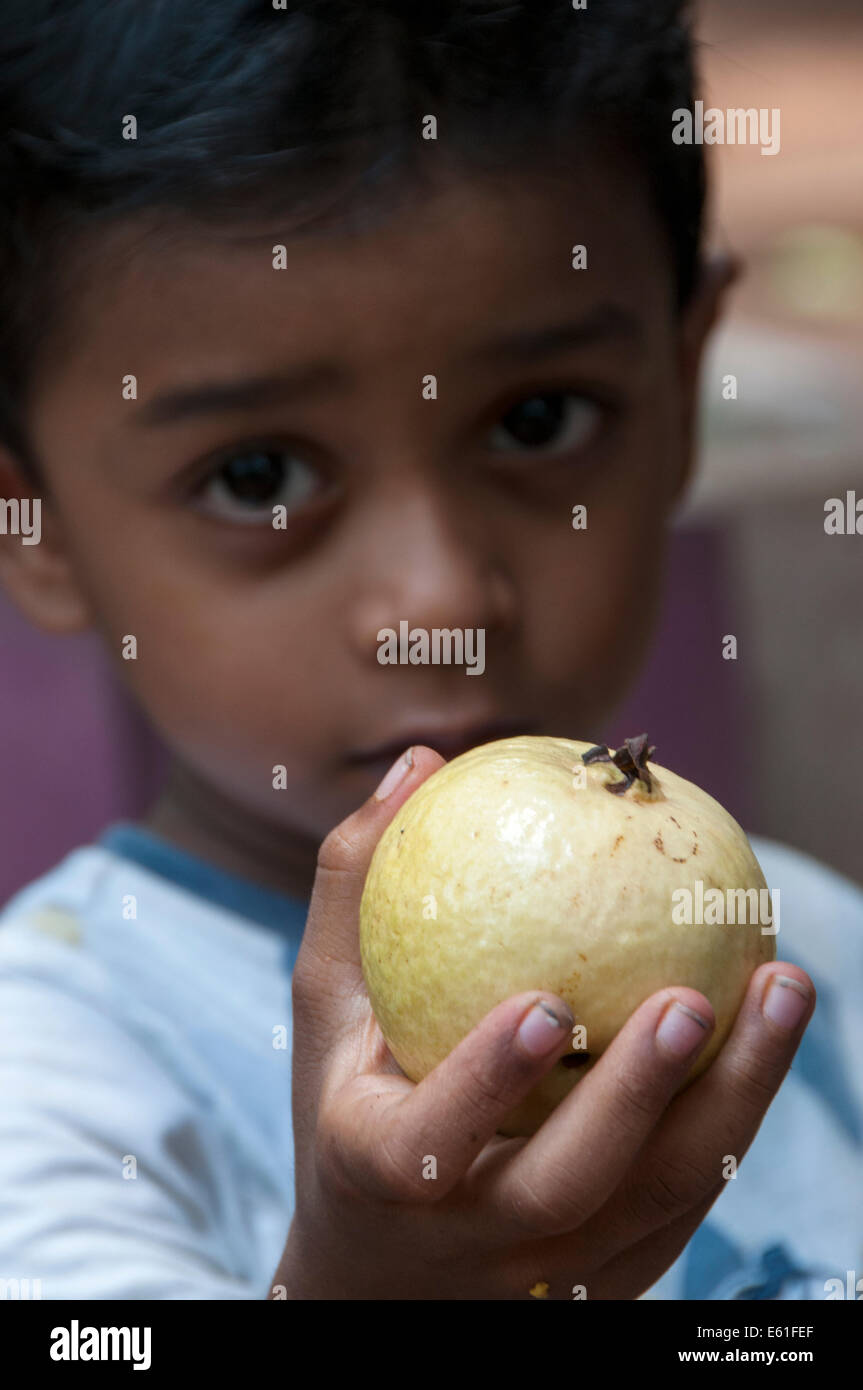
{"points": [[666, 1193], [342, 1170], [336, 1172], [531, 1211], [369, 1164], [752, 1084], [305, 995], [634, 1102], [337, 851], [301, 983], [400, 1169], [479, 1095]]}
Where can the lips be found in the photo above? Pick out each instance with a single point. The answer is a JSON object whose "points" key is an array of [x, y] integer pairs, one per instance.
{"points": [[448, 740]]}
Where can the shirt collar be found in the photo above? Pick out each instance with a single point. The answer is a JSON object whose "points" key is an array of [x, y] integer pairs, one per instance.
{"points": [[278, 911]]}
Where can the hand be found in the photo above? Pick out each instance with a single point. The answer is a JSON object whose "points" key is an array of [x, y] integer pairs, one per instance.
{"points": [[605, 1195]]}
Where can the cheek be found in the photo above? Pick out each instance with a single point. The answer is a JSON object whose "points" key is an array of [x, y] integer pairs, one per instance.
{"points": [[219, 660], [226, 672], [230, 707], [590, 601]]}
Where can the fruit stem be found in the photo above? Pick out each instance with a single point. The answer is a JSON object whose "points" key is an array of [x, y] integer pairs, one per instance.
{"points": [[631, 760]]}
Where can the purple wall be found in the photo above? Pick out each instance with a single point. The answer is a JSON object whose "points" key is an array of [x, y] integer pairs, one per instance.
{"points": [[697, 707], [73, 752], [75, 755]]}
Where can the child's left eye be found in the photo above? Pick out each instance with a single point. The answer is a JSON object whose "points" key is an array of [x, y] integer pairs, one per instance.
{"points": [[554, 422], [247, 486]]}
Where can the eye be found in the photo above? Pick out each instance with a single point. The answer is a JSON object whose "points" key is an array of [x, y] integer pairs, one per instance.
{"points": [[556, 422], [247, 485]]}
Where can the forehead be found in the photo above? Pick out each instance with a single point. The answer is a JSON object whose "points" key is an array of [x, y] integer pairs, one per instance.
{"points": [[425, 278]]}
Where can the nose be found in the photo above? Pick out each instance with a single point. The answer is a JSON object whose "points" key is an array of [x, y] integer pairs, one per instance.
{"points": [[432, 560]]}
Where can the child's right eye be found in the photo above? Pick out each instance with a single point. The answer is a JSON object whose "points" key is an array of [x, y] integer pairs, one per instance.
{"points": [[552, 422], [247, 485]]}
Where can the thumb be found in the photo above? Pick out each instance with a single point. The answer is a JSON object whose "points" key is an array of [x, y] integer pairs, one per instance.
{"points": [[328, 966]]}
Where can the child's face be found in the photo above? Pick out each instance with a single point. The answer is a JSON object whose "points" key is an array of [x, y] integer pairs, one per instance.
{"points": [[258, 646]]}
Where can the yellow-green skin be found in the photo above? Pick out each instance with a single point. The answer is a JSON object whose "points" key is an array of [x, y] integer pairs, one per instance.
{"points": [[514, 868]]}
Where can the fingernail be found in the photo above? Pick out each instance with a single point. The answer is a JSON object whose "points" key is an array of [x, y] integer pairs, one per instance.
{"points": [[786, 1001], [399, 770], [541, 1029], [681, 1029]]}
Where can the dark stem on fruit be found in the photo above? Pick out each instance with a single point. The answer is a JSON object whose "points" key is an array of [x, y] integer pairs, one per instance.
{"points": [[631, 759]]}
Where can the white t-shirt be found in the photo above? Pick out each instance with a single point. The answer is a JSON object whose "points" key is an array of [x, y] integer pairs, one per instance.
{"points": [[145, 1072]]}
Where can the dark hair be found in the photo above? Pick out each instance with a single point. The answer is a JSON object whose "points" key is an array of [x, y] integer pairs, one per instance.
{"points": [[313, 111]]}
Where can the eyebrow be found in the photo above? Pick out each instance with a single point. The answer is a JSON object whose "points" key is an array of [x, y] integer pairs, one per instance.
{"points": [[608, 322], [222, 397]]}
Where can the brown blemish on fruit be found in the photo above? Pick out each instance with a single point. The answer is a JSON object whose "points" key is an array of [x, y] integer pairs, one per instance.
{"points": [[618, 841], [674, 822], [660, 845], [582, 957]]}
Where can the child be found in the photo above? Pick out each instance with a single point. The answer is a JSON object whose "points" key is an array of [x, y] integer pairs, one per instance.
{"points": [[296, 346]]}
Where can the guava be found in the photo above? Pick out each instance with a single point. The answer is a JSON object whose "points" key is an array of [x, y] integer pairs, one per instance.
{"points": [[551, 864]]}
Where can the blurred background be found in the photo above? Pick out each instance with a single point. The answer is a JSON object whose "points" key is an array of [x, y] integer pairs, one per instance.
{"points": [[777, 734]]}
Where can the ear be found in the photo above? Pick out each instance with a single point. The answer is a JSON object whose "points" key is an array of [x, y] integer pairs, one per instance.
{"points": [[35, 568], [698, 319]]}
